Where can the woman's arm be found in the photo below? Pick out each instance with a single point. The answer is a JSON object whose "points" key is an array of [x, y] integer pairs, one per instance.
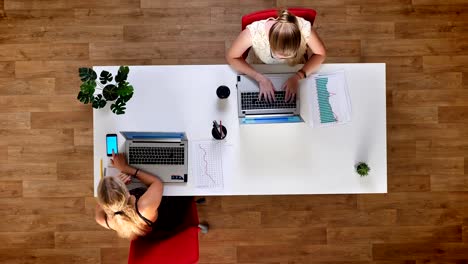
{"points": [[149, 202], [119, 161], [235, 59], [318, 51], [100, 216]]}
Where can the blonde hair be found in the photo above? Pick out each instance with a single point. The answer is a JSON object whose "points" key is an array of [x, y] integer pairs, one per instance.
{"points": [[114, 199], [285, 36]]}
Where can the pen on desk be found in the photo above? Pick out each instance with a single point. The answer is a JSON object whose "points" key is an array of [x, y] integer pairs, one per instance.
{"points": [[221, 128], [100, 171]]}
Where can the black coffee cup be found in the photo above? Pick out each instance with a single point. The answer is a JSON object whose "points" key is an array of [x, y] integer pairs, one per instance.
{"points": [[216, 133], [223, 92]]}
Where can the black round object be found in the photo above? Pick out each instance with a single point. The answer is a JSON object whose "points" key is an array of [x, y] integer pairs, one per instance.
{"points": [[223, 92], [216, 135]]}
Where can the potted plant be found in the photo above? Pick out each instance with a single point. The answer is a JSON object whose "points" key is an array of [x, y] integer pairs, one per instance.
{"points": [[112, 89], [362, 169]]}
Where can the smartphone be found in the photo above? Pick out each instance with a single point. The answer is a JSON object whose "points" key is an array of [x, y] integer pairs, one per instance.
{"points": [[111, 144]]}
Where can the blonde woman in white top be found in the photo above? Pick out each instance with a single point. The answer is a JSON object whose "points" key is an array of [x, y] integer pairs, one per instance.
{"points": [[286, 39]]}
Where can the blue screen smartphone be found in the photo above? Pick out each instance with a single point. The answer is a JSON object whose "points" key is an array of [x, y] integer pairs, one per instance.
{"points": [[111, 144]]}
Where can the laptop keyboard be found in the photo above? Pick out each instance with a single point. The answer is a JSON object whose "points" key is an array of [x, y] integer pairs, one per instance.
{"points": [[156, 155], [249, 101]]}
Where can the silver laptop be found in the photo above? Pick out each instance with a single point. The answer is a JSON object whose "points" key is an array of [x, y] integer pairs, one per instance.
{"points": [[254, 111], [164, 154]]}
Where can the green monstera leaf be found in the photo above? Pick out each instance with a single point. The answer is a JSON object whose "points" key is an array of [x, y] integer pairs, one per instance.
{"points": [[99, 102], [88, 87], [122, 74], [87, 74], [105, 77], [126, 98], [110, 92], [124, 89], [118, 107], [85, 98]]}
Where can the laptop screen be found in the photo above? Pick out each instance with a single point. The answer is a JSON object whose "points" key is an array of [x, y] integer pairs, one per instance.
{"points": [[153, 135]]}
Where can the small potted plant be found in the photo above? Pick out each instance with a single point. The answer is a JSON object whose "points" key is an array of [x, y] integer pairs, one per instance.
{"points": [[362, 169], [113, 89]]}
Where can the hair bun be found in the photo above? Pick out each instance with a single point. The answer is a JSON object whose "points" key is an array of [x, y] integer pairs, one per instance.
{"points": [[284, 16]]}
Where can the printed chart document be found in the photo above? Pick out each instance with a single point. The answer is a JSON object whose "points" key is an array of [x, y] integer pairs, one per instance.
{"points": [[330, 103], [207, 165]]}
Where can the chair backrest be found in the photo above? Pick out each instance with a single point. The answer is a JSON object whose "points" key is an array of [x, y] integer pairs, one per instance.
{"points": [[181, 247], [306, 13]]}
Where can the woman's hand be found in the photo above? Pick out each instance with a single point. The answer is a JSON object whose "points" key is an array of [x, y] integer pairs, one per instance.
{"points": [[291, 88], [125, 178], [119, 161], [266, 89]]}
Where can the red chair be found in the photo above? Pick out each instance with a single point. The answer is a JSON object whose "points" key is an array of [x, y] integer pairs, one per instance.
{"points": [[180, 248], [306, 13]]}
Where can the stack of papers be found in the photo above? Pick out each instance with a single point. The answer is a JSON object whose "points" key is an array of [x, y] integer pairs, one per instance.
{"points": [[330, 100]]}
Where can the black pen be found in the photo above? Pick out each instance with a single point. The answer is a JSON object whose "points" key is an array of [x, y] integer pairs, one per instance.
{"points": [[216, 127]]}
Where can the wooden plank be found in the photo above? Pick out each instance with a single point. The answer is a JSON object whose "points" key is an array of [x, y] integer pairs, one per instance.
{"points": [[327, 218], [49, 256], [17, 120], [46, 154], [439, 251], [217, 253], [412, 115], [41, 103], [446, 148], [439, 2], [408, 64], [287, 203], [442, 30], [49, 69], [114, 255], [52, 4], [190, 4], [161, 33], [304, 253], [54, 188], [406, 13], [453, 114], [343, 48], [408, 183], [445, 63], [401, 149], [36, 136], [28, 171], [41, 206], [61, 120], [10, 189], [305, 3], [41, 51], [49, 223], [89, 239], [355, 31], [465, 80], [424, 81], [453, 97], [136, 16], [413, 201], [26, 240], [426, 131], [7, 69], [75, 170], [447, 166], [267, 236], [414, 47], [226, 220], [430, 217], [60, 34], [224, 15], [43, 17], [404, 234], [83, 137], [449, 182], [38, 86]]}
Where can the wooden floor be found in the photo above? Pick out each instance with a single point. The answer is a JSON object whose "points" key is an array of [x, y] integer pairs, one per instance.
{"points": [[46, 197]]}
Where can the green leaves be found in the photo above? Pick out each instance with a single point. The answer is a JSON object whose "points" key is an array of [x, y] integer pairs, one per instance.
{"points": [[105, 77], [362, 169], [121, 91], [122, 74], [87, 74], [99, 102], [110, 92], [118, 107]]}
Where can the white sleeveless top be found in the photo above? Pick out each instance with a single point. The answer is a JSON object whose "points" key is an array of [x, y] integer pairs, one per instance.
{"points": [[261, 43]]}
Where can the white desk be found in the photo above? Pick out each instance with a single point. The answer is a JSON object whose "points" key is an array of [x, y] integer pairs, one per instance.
{"points": [[265, 159]]}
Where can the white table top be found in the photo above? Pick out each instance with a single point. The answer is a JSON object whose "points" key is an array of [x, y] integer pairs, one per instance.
{"points": [[260, 159]]}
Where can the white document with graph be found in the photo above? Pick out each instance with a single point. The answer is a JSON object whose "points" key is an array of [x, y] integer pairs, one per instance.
{"points": [[207, 164]]}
